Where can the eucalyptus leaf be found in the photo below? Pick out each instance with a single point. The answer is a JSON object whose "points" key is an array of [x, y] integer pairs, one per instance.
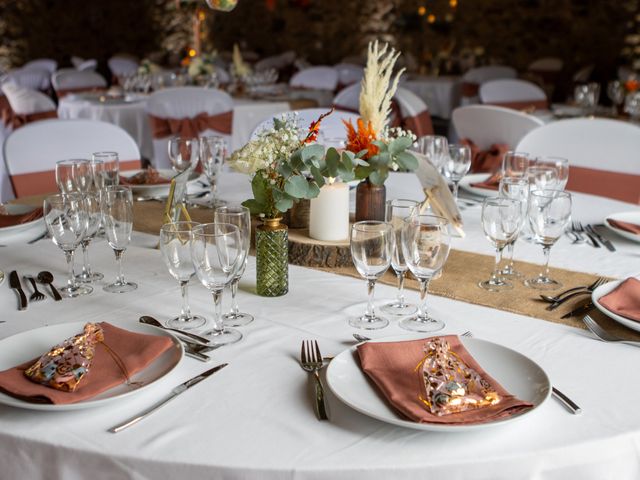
{"points": [[284, 204], [317, 176], [254, 207], [313, 191], [259, 188], [378, 177], [399, 144], [297, 186], [312, 151], [406, 161]]}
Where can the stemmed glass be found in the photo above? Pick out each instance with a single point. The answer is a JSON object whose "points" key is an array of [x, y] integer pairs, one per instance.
{"points": [[75, 175], [184, 153], [106, 169], [425, 246], [587, 96], [241, 218], [66, 219], [372, 244], [212, 153], [175, 246], [92, 205], [456, 165], [549, 214], [216, 249], [117, 212], [435, 148], [397, 211], [542, 177], [561, 166], [516, 164], [616, 93], [501, 222], [515, 188]]}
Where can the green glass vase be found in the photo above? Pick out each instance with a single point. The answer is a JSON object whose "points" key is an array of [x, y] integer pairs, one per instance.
{"points": [[272, 258]]}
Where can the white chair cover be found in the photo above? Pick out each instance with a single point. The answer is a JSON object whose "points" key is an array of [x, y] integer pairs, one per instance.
{"points": [[25, 101], [76, 61], [546, 64], [122, 66], [321, 78], [278, 62], [349, 73], [478, 76], [184, 102], [34, 78], [486, 125], [510, 90], [47, 64], [90, 64], [71, 79]]}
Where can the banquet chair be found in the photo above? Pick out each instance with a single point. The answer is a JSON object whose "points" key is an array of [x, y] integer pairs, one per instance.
{"points": [[320, 78], [278, 62], [547, 68], [47, 64], [475, 77], [602, 153], [73, 81], [513, 93], [348, 74], [34, 78], [32, 151], [122, 66], [89, 64], [187, 112]]}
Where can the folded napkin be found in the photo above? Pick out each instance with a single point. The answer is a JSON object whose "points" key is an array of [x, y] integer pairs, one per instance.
{"points": [[435, 380], [624, 299], [626, 226], [491, 183], [489, 160], [149, 176], [9, 220], [135, 351]]}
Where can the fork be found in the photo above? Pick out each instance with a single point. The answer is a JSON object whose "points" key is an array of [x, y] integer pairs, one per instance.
{"points": [[561, 295], [603, 335], [579, 229], [589, 290], [37, 295], [311, 361]]}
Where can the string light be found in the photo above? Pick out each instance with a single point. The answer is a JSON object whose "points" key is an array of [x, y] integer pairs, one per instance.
{"points": [[422, 10], [192, 52], [431, 18], [453, 3]]}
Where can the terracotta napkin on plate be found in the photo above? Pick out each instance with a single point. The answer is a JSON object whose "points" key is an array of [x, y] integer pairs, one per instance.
{"points": [[149, 176], [624, 299], [135, 350], [626, 226], [491, 183], [8, 220], [398, 370]]}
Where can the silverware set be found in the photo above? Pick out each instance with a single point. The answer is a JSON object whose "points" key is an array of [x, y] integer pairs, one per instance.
{"points": [[563, 297], [44, 277], [579, 233]]}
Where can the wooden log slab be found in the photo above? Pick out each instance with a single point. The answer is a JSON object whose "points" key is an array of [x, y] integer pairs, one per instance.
{"points": [[308, 252]]}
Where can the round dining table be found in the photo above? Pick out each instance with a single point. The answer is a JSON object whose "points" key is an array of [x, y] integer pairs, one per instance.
{"points": [[254, 419]]}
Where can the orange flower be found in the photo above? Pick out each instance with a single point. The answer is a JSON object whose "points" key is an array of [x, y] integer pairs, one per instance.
{"points": [[632, 85], [314, 128], [361, 139]]}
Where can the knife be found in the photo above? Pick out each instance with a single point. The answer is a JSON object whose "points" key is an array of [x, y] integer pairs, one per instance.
{"points": [[602, 240], [14, 282], [174, 393], [585, 307]]}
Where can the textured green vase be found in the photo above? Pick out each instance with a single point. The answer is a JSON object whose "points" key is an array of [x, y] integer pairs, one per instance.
{"points": [[272, 258]]}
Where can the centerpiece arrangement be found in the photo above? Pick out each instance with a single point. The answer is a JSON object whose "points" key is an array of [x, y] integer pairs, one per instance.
{"points": [[202, 69]]}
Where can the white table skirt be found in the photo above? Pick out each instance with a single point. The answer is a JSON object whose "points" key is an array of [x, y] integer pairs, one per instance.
{"points": [[441, 94], [254, 420]]}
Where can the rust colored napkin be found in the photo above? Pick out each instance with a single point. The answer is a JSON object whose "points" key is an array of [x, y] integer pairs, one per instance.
{"points": [[392, 367], [626, 226], [491, 183], [135, 350], [489, 160], [9, 220], [145, 177], [624, 299]]}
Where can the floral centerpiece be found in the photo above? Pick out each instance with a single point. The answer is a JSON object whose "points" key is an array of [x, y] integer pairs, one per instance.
{"points": [[147, 67], [202, 67]]}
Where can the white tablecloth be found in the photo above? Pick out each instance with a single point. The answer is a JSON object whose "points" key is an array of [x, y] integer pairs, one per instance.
{"points": [[441, 94], [254, 420]]}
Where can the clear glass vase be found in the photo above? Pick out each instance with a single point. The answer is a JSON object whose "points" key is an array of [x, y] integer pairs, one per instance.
{"points": [[272, 258]]}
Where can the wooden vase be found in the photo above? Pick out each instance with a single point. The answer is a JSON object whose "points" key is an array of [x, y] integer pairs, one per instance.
{"points": [[370, 201]]}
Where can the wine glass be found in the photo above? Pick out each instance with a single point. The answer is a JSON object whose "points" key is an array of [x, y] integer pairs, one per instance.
{"points": [[587, 96], [542, 177], [516, 188], [372, 243], [212, 153], [216, 249], [435, 148], [74, 175], [106, 169], [562, 169], [616, 93], [184, 153], [66, 218], [425, 246], [117, 212], [516, 164], [92, 205], [501, 222], [549, 214], [241, 218], [397, 211], [175, 247], [456, 165]]}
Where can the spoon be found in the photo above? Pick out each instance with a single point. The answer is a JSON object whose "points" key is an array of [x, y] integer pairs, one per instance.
{"points": [[46, 278], [152, 321]]}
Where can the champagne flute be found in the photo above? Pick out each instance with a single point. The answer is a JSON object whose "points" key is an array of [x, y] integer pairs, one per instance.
{"points": [[216, 249], [435, 148], [501, 222], [66, 218], [372, 244], [549, 214], [397, 211], [241, 218], [117, 211], [92, 205], [184, 153], [212, 152], [456, 165], [175, 247], [515, 188], [74, 175], [106, 169], [425, 246]]}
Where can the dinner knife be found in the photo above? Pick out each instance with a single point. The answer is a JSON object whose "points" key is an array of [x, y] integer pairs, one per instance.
{"points": [[174, 393], [14, 282], [580, 309], [602, 240]]}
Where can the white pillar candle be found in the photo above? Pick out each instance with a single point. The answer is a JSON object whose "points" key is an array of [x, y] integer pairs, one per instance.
{"points": [[329, 213]]}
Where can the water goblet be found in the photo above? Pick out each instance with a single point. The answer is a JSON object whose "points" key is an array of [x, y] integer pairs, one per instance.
{"points": [[92, 205], [542, 177], [435, 148], [183, 153], [425, 246], [212, 153], [562, 170], [501, 222], [456, 165], [175, 246], [74, 175], [66, 219], [516, 164], [516, 188], [372, 243], [616, 93], [587, 96], [216, 249], [117, 213], [106, 169], [549, 214], [241, 218], [397, 211]]}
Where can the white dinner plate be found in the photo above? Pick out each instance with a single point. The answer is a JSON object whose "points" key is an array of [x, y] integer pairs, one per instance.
{"points": [[466, 182], [25, 346], [564, 110], [518, 374], [603, 290], [631, 217], [162, 190], [24, 232]]}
